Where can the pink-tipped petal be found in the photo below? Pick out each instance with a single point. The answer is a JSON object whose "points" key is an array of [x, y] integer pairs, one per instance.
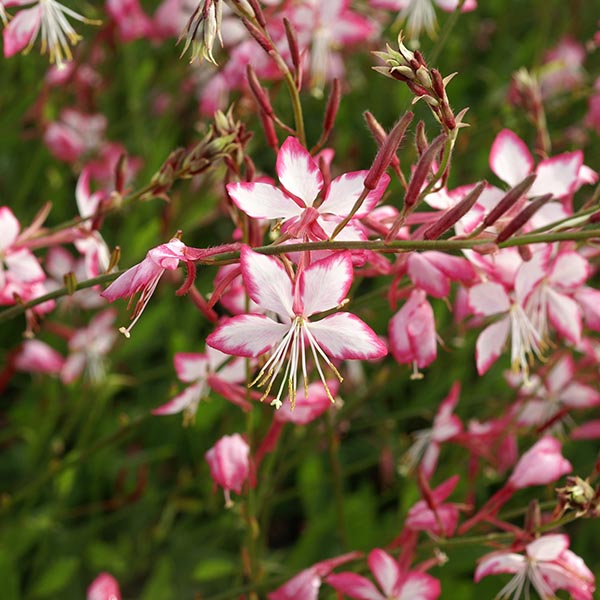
{"points": [[569, 270], [488, 298], [247, 335], [190, 366], [428, 277], [267, 282], [21, 30], [190, 396], [298, 172], [386, 570], [9, 227], [557, 175], [354, 586], [325, 283], [263, 201], [499, 562], [104, 587], [420, 586], [565, 315], [345, 336], [547, 547], [510, 158], [490, 344], [344, 191]]}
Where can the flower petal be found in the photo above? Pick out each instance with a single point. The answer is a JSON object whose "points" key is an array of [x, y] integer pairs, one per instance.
{"points": [[22, 30], [345, 336], [420, 586], [247, 335], [557, 175], [344, 191], [510, 158], [267, 282], [263, 201], [191, 395], [490, 344], [325, 283], [190, 366], [386, 570], [499, 562], [548, 547], [298, 172], [354, 586]]}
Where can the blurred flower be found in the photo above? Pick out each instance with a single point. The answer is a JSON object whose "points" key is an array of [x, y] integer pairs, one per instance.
{"points": [[229, 464], [49, 17], [104, 587], [548, 565]]}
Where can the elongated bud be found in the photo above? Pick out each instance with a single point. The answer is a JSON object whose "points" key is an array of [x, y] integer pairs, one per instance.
{"points": [[422, 170], [258, 13], [509, 200], [292, 40], [438, 83], [533, 517], [269, 129], [333, 104], [260, 94], [595, 217], [70, 281], [451, 216], [522, 218], [421, 140], [387, 151], [258, 35], [120, 170], [115, 256]]}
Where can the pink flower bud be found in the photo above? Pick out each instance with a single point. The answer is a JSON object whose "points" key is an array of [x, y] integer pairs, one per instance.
{"points": [[543, 463], [104, 587], [228, 462]]}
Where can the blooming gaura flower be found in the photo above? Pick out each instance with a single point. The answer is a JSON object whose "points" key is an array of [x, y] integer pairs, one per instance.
{"points": [[47, 18], [318, 288]]}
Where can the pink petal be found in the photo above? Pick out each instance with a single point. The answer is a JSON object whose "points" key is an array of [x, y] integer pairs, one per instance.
{"points": [[558, 175], [325, 283], [21, 30], [490, 344], [25, 266], [36, 356], [428, 277], [451, 5], [510, 159], [565, 315], [457, 269], [345, 336], [9, 228], [188, 397], [308, 408], [263, 201], [247, 335], [420, 586], [543, 463], [267, 282], [344, 191], [547, 547], [228, 462], [488, 298], [303, 586], [298, 172], [190, 366], [386, 570], [569, 270], [354, 586], [499, 562], [104, 587], [587, 431]]}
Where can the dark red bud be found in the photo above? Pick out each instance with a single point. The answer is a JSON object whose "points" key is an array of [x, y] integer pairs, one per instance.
{"points": [[258, 35], [333, 104], [422, 170], [511, 197], [522, 218]]}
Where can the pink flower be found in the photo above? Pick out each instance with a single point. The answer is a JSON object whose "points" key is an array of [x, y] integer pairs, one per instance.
{"points": [[543, 463], [229, 464], [302, 184], [88, 349], [49, 17], [320, 287], [548, 565], [104, 587], [434, 516], [395, 584], [35, 356], [132, 22], [203, 372], [305, 585], [446, 426], [563, 68], [144, 277], [412, 332]]}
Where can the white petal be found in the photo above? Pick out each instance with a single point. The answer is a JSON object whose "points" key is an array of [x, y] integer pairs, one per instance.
{"points": [[9, 227], [386, 570], [565, 315], [267, 282], [190, 366], [488, 299], [247, 335], [298, 172], [509, 158], [263, 201], [490, 344], [548, 547], [325, 283], [344, 192], [344, 335], [557, 175]]}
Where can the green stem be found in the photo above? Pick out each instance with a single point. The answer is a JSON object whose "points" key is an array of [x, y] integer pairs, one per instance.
{"points": [[337, 479], [446, 31], [393, 247]]}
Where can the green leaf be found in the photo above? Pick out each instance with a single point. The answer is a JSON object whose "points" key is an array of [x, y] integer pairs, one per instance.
{"points": [[55, 577]]}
